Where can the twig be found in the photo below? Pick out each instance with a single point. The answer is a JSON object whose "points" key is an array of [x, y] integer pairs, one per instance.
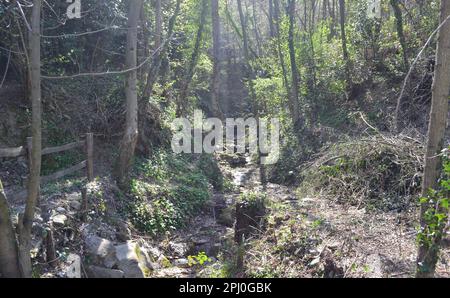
{"points": [[405, 83]]}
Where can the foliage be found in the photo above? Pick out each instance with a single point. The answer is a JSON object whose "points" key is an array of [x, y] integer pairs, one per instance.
{"points": [[436, 206], [167, 190]]}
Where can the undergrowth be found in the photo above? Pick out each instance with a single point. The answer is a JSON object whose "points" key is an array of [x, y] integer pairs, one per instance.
{"points": [[376, 173], [168, 189]]}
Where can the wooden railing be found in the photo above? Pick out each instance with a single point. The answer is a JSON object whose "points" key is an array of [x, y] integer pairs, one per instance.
{"points": [[88, 164]]}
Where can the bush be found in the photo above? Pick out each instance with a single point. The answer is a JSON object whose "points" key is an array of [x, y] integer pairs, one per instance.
{"points": [[166, 190], [380, 173]]}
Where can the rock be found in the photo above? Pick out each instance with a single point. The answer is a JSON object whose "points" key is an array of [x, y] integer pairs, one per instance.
{"points": [[59, 220], [200, 241], [154, 253], [183, 263], [164, 262], [74, 196], [133, 260], [315, 262], [74, 269], [61, 210], [178, 249], [101, 251], [75, 205], [99, 272], [123, 232]]}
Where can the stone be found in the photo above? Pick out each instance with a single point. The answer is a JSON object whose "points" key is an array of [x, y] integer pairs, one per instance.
{"points": [[75, 205], [74, 196], [183, 263], [154, 253], [74, 268], [59, 220], [101, 251], [60, 210], [179, 249], [99, 272], [133, 260]]}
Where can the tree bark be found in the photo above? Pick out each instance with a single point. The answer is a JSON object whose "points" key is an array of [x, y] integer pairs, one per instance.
{"points": [[184, 91], [130, 138], [271, 23], [9, 258], [215, 88], [279, 46], [401, 36], [428, 256], [294, 96], [348, 79], [156, 61], [26, 219]]}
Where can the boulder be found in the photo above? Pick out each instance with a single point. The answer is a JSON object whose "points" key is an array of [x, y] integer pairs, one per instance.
{"points": [[59, 220], [99, 272], [74, 268], [75, 205], [101, 251], [178, 249], [182, 263], [133, 260]]}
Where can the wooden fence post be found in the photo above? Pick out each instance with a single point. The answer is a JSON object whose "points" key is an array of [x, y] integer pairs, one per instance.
{"points": [[90, 156]]}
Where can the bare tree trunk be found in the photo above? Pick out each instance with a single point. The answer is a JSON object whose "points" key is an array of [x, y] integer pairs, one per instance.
{"points": [[294, 96], [271, 23], [154, 68], [428, 253], [215, 88], [348, 79], [26, 220], [279, 46], [184, 92], [130, 138], [399, 18], [9, 257]]}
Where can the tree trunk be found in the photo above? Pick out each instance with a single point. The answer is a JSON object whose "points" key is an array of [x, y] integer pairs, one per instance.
{"points": [[130, 138], [348, 80], [279, 46], [215, 88], [184, 91], [271, 23], [401, 36], [156, 61], [428, 256], [26, 220], [294, 96], [9, 262]]}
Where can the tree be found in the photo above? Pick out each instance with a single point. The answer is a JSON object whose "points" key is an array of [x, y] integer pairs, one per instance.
{"points": [[154, 68], [400, 32], [130, 137], [15, 259], [294, 96], [9, 257], [26, 220], [215, 85], [348, 79], [428, 253], [185, 85]]}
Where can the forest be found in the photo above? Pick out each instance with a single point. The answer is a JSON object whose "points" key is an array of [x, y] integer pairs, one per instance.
{"points": [[224, 139]]}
